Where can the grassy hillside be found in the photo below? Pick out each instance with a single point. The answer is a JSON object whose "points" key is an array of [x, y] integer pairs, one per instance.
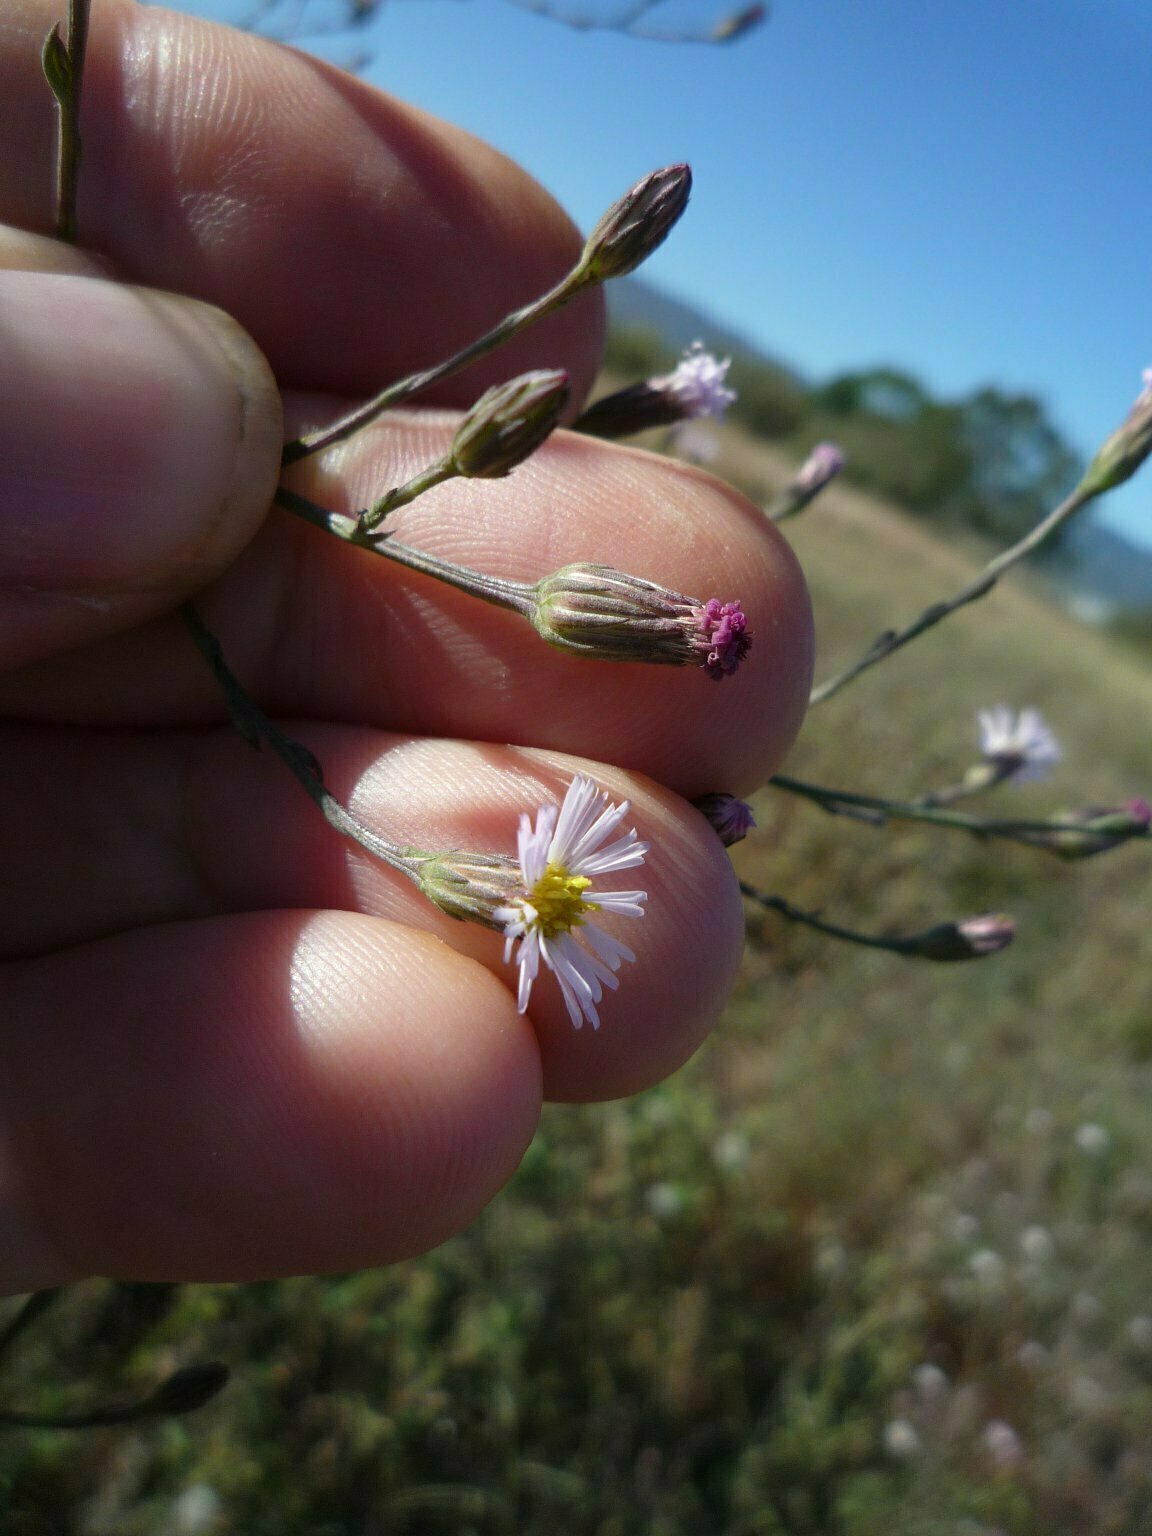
{"points": [[877, 1262]]}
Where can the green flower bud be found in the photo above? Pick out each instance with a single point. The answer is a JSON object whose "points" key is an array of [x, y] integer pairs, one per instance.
{"points": [[1127, 448], [469, 886], [633, 228], [509, 423], [189, 1389], [971, 939]]}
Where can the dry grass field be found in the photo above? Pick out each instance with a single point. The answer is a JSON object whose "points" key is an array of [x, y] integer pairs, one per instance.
{"points": [[877, 1263]]}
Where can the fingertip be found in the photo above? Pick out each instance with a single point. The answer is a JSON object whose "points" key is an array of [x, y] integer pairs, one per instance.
{"points": [[140, 433], [271, 1094]]}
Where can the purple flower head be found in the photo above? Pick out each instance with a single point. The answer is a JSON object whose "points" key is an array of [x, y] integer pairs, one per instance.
{"points": [[731, 819], [597, 611], [697, 383], [722, 639], [824, 463]]}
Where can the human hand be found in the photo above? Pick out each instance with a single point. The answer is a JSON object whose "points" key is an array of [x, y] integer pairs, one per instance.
{"points": [[234, 1047]]}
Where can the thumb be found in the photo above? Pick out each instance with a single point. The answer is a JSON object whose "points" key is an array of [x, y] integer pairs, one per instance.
{"points": [[140, 439]]}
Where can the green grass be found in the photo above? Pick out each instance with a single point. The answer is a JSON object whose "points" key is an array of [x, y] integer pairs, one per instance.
{"points": [[704, 1310]]}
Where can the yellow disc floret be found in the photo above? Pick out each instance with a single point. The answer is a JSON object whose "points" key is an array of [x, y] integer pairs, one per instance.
{"points": [[558, 899]]}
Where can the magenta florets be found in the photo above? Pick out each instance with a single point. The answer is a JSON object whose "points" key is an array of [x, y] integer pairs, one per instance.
{"points": [[722, 639]]}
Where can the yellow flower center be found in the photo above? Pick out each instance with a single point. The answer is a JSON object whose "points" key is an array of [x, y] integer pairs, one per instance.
{"points": [[558, 898]]}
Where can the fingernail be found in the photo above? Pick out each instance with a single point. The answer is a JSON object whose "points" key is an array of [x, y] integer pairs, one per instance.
{"points": [[139, 433]]}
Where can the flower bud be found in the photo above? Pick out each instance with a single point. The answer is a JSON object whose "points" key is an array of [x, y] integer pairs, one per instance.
{"points": [[633, 227], [824, 463], [739, 23], [508, 423], [731, 819], [597, 611], [469, 886], [1124, 452], [971, 939], [1102, 830], [694, 388], [189, 1389]]}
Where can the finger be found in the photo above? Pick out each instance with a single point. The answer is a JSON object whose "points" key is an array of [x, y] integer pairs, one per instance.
{"points": [[354, 238], [318, 629], [24, 252], [140, 439], [129, 830], [275, 1094]]}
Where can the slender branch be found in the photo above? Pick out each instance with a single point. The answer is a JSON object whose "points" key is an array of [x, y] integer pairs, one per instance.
{"points": [[727, 28], [564, 291], [796, 914], [517, 596], [183, 1392], [254, 725], [979, 586], [974, 938], [33, 1309], [63, 66], [877, 810]]}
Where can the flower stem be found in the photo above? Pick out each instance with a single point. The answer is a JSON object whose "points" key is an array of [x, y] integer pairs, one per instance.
{"points": [[63, 66], [911, 946], [878, 811], [979, 586], [517, 596], [564, 291], [254, 725]]}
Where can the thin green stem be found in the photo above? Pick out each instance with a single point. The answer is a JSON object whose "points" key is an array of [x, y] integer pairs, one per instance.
{"points": [[67, 86], [980, 585], [516, 596], [564, 291], [255, 726], [876, 809], [796, 914]]}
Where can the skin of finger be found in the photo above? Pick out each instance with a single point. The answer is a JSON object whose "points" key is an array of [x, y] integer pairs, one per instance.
{"points": [[278, 1093], [24, 252], [319, 629], [140, 434], [332, 221], [163, 827]]}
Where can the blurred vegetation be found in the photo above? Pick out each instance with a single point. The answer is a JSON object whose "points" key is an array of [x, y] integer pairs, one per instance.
{"points": [[991, 463], [874, 1264]]}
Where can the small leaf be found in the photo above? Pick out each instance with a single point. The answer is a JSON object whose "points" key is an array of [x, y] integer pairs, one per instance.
{"points": [[56, 62]]}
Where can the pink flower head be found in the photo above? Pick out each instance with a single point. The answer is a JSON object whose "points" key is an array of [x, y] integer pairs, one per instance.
{"points": [[722, 639], [824, 463], [731, 819]]}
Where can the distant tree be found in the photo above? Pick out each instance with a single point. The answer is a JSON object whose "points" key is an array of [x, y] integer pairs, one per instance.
{"points": [[769, 400], [637, 352], [884, 392], [1021, 465], [993, 462]]}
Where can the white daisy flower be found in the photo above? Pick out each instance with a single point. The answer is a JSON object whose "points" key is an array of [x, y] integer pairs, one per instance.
{"points": [[1023, 746], [559, 858]]}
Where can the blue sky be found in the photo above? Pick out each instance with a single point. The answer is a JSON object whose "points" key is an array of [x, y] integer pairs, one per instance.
{"points": [[958, 187]]}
